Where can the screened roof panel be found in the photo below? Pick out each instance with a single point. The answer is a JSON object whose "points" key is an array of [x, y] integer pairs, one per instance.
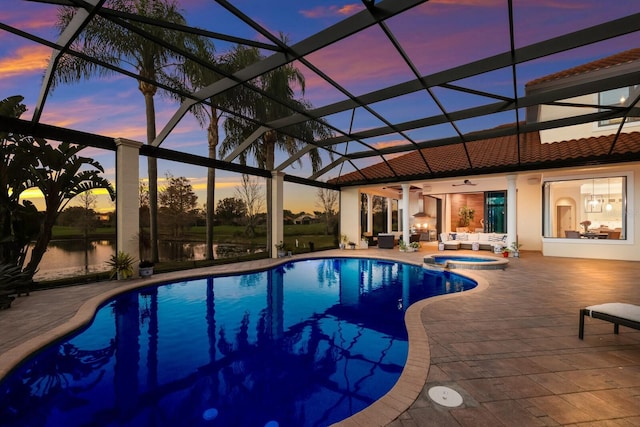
{"points": [[406, 107], [538, 21], [439, 131], [478, 124], [441, 35], [371, 62], [381, 63]]}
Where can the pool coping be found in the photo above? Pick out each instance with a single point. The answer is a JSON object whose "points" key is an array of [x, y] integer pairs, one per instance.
{"points": [[492, 263], [383, 411]]}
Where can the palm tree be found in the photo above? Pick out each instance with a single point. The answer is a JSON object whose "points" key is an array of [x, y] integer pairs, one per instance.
{"points": [[211, 115], [115, 44], [61, 175], [277, 84]]}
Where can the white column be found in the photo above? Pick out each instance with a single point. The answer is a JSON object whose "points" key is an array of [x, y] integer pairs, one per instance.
{"points": [[350, 206], [370, 213], [405, 213], [277, 218], [389, 215], [127, 198], [512, 231]]}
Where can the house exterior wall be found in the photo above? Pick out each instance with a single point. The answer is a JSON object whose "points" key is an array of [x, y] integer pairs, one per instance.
{"points": [[586, 130]]}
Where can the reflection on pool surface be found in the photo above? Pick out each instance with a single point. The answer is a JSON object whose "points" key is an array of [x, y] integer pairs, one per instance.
{"points": [[306, 344]]}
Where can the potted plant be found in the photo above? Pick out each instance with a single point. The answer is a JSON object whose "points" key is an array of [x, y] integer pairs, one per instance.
{"points": [[414, 245], [121, 265], [515, 247], [364, 242], [403, 246], [506, 251], [145, 268], [343, 241], [280, 249]]}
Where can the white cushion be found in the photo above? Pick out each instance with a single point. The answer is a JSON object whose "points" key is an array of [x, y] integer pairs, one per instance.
{"points": [[463, 237], [618, 309]]}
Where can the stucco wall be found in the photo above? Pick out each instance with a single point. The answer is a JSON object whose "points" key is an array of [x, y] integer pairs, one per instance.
{"points": [[586, 130]]}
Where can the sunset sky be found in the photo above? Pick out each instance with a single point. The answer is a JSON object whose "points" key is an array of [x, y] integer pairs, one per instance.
{"points": [[438, 35]]}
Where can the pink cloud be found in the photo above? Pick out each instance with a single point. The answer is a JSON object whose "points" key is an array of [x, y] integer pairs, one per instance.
{"points": [[392, 143], [24, 60], [332, 11], [364, 57]]}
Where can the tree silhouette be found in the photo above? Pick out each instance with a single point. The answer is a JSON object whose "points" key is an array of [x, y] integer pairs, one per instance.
{"points": [[177, 201]]}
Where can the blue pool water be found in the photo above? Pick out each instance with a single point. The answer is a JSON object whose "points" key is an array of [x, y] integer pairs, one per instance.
{"points": [[306, 344]]}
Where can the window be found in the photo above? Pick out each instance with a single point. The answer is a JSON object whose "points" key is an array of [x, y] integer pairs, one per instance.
{"points": [[589, 208], [620, 97]]}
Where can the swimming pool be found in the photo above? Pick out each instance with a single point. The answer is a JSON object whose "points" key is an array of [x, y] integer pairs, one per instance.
{"points": [[306, 344], [473, 262]]}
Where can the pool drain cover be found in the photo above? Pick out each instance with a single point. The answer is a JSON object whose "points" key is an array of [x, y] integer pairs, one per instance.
{"points": [[445, 396]]}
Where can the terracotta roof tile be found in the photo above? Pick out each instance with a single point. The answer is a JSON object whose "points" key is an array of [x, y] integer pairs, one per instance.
{"points": [[496, 153], [610, 61]]}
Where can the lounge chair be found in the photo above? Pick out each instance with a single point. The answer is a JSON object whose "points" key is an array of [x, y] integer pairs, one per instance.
{"points": [[617, 313]]}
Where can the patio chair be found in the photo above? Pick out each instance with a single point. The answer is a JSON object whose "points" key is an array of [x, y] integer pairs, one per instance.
{"points": [[617, 313]]}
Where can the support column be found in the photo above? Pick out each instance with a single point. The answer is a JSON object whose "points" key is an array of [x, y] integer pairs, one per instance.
{"points": [[370, 213], [389, 215], [127, 198], [512, 196], [350, 205], [277, 219], [406, 231]]}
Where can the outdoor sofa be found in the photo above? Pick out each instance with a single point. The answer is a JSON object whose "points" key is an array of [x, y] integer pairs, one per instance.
{"points": [[485, 241]]}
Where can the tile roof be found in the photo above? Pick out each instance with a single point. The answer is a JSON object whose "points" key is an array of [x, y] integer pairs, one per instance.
{"points": [[498, 153], [610, 61]]}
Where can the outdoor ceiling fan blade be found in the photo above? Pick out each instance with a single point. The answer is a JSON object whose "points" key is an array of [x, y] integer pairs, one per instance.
{"points": [[466, 182]]}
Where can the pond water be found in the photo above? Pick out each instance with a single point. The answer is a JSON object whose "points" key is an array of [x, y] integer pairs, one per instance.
{"points": [[68, 257]]}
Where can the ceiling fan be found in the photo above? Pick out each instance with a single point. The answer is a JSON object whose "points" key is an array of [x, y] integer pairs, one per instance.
{"points": [[466, 182]]}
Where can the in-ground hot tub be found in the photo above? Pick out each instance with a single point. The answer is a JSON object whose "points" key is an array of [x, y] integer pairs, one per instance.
{"points": [[472, 262]]}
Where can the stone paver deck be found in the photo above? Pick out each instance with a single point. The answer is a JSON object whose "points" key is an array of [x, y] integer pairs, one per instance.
{"points": [[510, 348]]}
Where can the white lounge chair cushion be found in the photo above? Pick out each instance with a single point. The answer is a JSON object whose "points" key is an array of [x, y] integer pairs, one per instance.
{"points": [[618, 309]]}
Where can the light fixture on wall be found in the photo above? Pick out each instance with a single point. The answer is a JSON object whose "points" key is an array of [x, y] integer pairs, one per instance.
{"points": [[608, 207]]}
